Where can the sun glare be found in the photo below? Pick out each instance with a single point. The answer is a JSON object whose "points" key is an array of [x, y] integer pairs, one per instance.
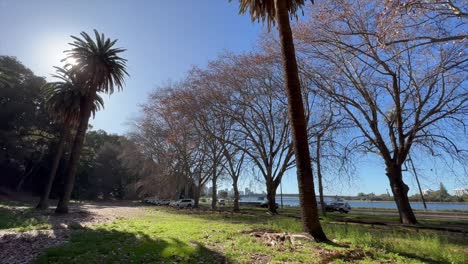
{"points": [[71, 61]]}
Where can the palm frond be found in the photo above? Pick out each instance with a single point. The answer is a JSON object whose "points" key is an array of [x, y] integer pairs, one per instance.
{"points": [[98, 64], [64, 97], [265, 11]]}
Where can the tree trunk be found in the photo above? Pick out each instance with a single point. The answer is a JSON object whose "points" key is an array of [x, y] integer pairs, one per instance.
{"points": [[196, 195], [236, 196], [319, 175], [186, 189], [32, 170], [29, 169], [400, 194], [305, 179], [271, 197], [214, 193], [44, 201], [78, 143]]}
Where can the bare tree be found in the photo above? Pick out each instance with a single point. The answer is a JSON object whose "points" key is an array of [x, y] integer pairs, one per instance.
{"points": [[252, 86], [425, 21], [169, 130], [399, 96]]}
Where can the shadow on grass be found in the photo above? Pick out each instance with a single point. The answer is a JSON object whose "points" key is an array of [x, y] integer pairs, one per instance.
{"points": [[111, 246], [22, 219], [23, 247], [25, 218]]}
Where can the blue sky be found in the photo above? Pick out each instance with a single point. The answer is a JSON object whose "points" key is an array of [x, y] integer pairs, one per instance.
{"points": [[164, 39]]}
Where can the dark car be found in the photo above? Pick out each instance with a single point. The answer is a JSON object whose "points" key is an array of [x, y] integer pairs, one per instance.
{"points": [[339, 206]]}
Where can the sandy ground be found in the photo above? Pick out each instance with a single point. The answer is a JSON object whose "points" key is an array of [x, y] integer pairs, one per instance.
{"points": [[24, 247]]}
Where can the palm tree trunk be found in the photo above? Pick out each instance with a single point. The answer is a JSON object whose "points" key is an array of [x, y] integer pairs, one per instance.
{"points": [[85, 108], [319, 175], [44, 201], [305, 179]]}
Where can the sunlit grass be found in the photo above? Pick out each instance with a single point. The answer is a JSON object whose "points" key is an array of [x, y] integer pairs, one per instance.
{"points": [[186, 236]]}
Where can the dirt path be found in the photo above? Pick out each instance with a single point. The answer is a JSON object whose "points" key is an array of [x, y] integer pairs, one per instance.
{"points": [[23, 247]]}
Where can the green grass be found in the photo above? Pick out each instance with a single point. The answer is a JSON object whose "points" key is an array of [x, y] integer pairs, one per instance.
{"points": [[423, 246], [167, 236], [20, 220]]}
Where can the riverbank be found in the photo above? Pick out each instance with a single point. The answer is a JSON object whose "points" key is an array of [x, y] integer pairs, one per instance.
{"points": [[432, 206]]}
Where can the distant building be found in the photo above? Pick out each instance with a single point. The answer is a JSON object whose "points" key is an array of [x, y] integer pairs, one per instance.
{"points": [[461, 192]]}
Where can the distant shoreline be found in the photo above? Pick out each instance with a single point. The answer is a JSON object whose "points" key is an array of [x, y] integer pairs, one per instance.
{"points": [[380, 201]]}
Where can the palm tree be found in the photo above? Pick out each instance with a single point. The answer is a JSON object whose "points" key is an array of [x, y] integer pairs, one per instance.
{"points": [[63, 103], [98, 69], [279, 11]]}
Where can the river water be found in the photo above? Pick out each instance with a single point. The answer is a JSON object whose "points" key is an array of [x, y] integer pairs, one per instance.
{"points": [[292, 201]]}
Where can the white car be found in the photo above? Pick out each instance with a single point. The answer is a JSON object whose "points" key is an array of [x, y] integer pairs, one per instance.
{"points": [[185, 203], [151, 200], [163, 202]]}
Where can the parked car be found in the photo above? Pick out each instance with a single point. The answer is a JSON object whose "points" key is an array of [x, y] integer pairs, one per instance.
{"points": [[222, 202], [185, 203], [265, 204], [151, 200], [339, 206], [163, 202]]}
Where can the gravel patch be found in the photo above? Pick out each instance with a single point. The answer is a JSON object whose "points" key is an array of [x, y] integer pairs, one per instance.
{"points": [[23, 247]]}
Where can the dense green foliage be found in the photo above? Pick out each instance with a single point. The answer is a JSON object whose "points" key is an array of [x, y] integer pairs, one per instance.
{"points": [[29, 134], [25, 129], [102, 173]]}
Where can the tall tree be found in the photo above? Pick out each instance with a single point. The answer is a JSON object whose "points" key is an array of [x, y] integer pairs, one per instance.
{"points": [[63, 103], [99, 68], [400, 96], [25, 130], [279, 11], [253, 87]]}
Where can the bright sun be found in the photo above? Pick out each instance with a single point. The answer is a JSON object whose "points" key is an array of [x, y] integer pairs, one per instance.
{"points": [[71, 61]]}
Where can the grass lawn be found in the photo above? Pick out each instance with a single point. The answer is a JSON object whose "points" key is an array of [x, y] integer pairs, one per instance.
{"points": [[23, 219], [163, 235]]}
